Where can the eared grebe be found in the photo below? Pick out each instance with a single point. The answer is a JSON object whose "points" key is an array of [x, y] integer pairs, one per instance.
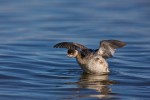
{"points": [[92, 61]]}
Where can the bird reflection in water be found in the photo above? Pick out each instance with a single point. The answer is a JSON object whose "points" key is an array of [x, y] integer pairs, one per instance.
{"points": [[100, 83]]}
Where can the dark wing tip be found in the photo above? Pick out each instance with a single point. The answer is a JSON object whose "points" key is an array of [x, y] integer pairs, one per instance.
{"points": [[67, 45], [118, 44], [59, 45], [55, 46], [115, 43]]}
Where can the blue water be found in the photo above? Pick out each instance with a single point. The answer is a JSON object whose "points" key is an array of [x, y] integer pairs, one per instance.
{"points": [[31, 69]]}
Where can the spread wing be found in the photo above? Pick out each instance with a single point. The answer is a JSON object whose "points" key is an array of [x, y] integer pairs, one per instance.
{"points": [[74, 46], [108, 47], [70, 45]]}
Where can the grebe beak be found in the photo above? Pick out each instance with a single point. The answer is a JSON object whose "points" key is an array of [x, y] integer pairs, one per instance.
{"points": [[70, 56]]}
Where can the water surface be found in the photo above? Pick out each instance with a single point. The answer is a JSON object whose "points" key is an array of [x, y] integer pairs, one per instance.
{"points": [[30, 69]]}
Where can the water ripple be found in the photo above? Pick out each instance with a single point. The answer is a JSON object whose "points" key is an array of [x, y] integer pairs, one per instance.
{"points": [[31, 69]]}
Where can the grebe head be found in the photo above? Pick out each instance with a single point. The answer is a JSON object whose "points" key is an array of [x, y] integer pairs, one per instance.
{"points": [[72, 53]]}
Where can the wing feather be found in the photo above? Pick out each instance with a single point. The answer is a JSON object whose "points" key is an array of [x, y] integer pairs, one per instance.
{"points": [[70, 45], [108, 47]]}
